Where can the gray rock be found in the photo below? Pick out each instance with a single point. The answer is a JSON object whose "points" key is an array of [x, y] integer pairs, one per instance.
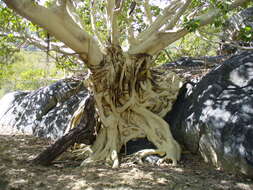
{"points": [[44, 112], [215, 116]]}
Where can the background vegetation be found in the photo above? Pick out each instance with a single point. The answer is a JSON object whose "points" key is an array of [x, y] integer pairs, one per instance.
{"points": [[27, 70]]}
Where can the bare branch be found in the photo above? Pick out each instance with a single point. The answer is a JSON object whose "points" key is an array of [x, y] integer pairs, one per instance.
{"points": [[57, 47], [174, 19], [114, 8], [61, 25], [130, 33], [148, 12], [17, 36], [93, 24], [112, 22], [158, 40], [131, 40], [132, 7], [160, 20], [27, 39], [168, 55]]}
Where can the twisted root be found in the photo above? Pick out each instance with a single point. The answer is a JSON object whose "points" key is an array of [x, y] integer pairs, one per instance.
{"points": [[131, 100]]}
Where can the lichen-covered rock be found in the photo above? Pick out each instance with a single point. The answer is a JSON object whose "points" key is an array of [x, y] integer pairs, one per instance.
{"points": [[44, 112], [215, 117]]}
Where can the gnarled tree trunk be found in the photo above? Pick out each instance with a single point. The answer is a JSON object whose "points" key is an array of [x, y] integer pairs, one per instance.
{"points": [[131, 99]]}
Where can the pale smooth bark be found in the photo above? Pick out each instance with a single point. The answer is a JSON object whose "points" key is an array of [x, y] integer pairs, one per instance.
{"points": [[148, 12], [162, 19], [112, 21], [158, 42], [155, 39], [59, 23], [93, 9]]}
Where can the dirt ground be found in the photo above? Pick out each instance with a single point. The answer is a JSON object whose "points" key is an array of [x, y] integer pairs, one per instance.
{"points": [[17, 173]]}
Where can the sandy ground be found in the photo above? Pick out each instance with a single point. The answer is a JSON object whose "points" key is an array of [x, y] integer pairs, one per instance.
{"points": [[17, 173]]}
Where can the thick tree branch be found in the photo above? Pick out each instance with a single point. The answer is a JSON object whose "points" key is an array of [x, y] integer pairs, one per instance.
{"points": [[130, 36], [83, 133], [93, 11], [147, 10], [115, 27], [27, 39], [160, 20], [112, 24], [61, 25], [174, 19], [131, 40], [159, 40]]}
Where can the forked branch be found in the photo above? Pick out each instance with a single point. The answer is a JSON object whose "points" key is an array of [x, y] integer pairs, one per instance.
{"points": [[162, 19], [60, 24], [157, 40], [175, 18]]}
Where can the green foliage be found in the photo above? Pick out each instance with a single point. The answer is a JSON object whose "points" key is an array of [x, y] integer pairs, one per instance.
{"points": [[7, 58], [246, 34], [222, 5], [66, 62], [10, 21], [191, 25], [194, 46]]}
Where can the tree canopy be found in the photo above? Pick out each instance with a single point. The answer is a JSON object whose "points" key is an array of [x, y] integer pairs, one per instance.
{"points": [[149, 27]]}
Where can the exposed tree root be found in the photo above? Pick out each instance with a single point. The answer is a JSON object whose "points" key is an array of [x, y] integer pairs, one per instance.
{"points": [[82, 133], [158, 132], [131, 99]]}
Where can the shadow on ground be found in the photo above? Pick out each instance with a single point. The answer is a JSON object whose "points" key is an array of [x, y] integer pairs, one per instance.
{"points": [[191, 173]]}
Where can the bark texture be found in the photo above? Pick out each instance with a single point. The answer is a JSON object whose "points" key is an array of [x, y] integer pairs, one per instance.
{"points": [[131, 99]]}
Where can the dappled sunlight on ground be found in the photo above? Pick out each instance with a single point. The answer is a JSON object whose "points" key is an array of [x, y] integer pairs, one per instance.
{"points": [[191, 173]]}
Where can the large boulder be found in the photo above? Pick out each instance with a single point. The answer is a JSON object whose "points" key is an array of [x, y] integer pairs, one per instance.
{"points": [[44, 112], [215, 116]]}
